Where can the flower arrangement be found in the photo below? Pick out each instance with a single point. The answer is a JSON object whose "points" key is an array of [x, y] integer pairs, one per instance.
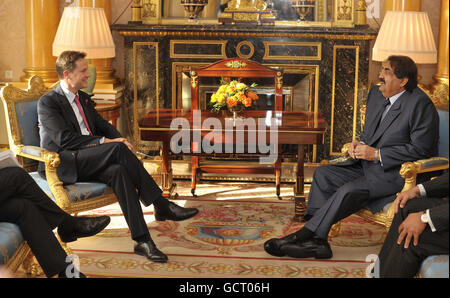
{"points": [[234, 96]]}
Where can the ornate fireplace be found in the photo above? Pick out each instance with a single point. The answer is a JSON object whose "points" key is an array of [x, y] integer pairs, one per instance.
{"points": [[326, 69]]}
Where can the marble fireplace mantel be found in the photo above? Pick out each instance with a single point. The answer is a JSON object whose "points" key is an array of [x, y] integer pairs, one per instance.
{"points": [[335, 61]]}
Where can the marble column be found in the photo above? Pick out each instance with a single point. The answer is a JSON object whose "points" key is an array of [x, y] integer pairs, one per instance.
{"points": [[105, 70], [41, 23]]}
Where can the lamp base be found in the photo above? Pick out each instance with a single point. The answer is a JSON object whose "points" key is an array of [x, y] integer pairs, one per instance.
{"points": [[91, 81]]}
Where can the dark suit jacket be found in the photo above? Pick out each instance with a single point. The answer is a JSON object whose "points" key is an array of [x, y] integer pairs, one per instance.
{"points": [[438, 188], [60, 132], [409, 131]]}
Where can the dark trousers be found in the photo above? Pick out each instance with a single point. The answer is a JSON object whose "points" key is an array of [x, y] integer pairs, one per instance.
{"points": [[115, 165], [394, 259], [22, 202], [336, 192]]}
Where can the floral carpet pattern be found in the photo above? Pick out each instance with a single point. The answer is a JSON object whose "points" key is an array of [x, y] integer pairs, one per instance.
{"points": [[225, 239]]}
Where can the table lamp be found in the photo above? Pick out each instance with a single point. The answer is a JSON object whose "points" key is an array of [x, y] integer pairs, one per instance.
{"points": [[405, 33], [85, 29]]}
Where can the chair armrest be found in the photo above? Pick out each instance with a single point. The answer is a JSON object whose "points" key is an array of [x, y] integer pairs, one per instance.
{"points": [[51, 160], [344, 150], [410, 170]]}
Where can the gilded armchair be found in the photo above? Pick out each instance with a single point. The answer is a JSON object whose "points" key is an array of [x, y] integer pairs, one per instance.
{"points": [[23, 136]]}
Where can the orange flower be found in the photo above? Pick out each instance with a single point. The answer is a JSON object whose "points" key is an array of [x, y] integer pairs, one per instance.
{"points": [[247, 102], [231, 101], [252, 95]]}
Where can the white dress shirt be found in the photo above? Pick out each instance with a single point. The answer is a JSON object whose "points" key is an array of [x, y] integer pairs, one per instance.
{"points": [[71, 98], [423, 193]]}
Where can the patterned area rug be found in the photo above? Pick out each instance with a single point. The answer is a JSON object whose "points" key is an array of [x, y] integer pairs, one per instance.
{"points": [[225, 239]]}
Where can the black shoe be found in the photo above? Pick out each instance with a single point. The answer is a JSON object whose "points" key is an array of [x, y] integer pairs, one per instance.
{"points": [[272, 246], [148, 249], [83, 227], [315, 247], [175, 212]]}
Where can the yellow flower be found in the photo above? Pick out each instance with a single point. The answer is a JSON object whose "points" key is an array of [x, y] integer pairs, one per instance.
{"points": [[240, 86], [221, 98]]}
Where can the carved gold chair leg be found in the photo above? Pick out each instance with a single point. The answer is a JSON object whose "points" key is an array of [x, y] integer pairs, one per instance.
{"points": [[335, 230], [31, 266]]}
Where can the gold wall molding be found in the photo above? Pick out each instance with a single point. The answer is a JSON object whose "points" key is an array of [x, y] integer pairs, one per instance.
{"points": [[289, 56], [128, 33], [248, 44], [333, 93], [220, 55]]}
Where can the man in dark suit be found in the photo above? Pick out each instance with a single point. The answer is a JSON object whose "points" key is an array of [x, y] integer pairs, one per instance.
{"points": [[90, 148], [401, 125], [24, 203], [422, 220]]}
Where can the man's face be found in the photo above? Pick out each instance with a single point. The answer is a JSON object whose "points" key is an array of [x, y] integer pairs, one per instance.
{"points": [[390, 84], [78, 78]]}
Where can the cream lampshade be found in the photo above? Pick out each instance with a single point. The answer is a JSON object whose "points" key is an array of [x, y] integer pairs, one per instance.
{"points": [[84, 29], [405, 33]]}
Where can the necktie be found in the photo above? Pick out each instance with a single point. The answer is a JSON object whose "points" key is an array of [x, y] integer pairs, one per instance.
{"points": [[77, 101], [386, 103], [380, 115]]}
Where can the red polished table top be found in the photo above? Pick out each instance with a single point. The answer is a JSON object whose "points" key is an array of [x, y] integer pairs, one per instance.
{"points": [[293, 127]]}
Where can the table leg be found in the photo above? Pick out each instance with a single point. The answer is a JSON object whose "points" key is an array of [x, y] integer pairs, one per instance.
{"points": [[168, 186], [299, 192]]}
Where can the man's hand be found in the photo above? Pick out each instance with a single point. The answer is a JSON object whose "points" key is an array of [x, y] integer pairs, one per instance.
{"points": [[412, 226], [123, 140], [363, 151], [405, 196], [351, 149]]}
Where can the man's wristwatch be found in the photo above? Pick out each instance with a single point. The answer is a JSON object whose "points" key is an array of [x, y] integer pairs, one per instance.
{"points": [[424, 217]]}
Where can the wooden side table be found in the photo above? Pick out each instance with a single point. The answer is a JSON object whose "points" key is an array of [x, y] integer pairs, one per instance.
{"points": [[109, 111]]}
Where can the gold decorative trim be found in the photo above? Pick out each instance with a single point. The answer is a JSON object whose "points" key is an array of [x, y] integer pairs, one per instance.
{"points": [[245, 43], [212, 130], [438, 92], [194, 79], [18, 258], [268, 44], [236, 64], [343, 36], [221, 43], [344, 13], [333, 93]]}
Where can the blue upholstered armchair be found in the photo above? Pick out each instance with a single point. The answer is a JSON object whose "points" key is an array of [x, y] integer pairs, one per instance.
{"points": [[21, 117]]}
